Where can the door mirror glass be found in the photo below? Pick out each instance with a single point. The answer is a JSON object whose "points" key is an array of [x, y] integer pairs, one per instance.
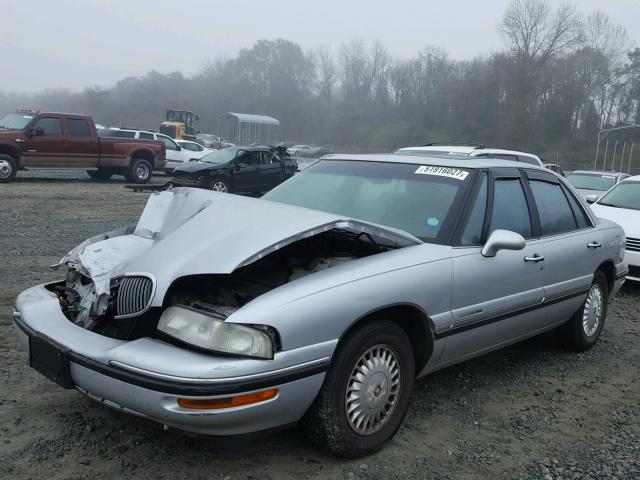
{"points": [[502, 240], [591, 198], [240, 165]]}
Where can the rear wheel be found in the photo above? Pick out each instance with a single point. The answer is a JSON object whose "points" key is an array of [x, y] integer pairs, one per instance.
{"points": [[139, 171], [8, 168], [583, 329], [100, 174], [366, 392]]}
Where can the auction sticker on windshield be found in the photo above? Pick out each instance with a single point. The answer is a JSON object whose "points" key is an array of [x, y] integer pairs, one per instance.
{"points": [[442, 172]]}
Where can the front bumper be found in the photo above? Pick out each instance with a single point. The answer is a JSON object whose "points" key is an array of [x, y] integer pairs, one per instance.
{"points": [[119, 374], [633, 260]]}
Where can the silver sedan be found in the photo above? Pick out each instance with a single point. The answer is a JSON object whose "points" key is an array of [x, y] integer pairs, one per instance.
{"points": [[322, 302]]}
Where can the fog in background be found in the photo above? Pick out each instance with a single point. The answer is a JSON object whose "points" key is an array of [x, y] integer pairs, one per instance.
{"points": [[362, 74]]}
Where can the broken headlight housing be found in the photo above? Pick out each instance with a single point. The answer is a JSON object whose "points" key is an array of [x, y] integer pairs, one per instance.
{"points": [[206, 332]]}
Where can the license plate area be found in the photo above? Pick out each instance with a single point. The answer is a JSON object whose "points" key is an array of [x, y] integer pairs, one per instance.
{"points": [[50, 360]]}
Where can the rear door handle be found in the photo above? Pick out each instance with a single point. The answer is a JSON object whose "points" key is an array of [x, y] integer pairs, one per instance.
{"points": [[594, 245], [535, 258]]}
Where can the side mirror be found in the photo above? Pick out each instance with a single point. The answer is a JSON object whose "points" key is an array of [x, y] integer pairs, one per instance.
{"points": [[178, 148], [502, 240], [39, 131], [240, 165], [591, 198]]}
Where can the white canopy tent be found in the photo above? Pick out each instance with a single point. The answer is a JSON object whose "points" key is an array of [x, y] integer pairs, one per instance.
{"points": [[247, 128]]}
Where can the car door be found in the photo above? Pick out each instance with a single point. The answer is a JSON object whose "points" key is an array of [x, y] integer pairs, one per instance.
{"points": [[571, 246], [271, 171], [46, 150], [82, 148], [174, 153], [246, 171], [492, 297]]}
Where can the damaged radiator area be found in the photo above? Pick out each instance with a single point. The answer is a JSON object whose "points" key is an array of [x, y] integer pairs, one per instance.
{"points": [[218, 295]]}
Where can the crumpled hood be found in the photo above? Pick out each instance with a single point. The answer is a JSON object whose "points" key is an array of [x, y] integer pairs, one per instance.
{"points": [[188, 231], [195, 167]]}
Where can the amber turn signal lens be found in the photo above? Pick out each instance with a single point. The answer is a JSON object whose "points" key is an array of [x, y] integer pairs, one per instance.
{"points": [[227, 402]]}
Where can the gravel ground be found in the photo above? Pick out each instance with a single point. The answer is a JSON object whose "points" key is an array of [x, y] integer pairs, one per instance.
{"points": [[531, 411]]}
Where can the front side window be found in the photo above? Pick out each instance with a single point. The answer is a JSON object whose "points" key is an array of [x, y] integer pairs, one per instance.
{"points": [[624, 195], [146, 136], [52, 126], [554, 210], [78, 127], [415, 198], [510, 210], [472, 234]]}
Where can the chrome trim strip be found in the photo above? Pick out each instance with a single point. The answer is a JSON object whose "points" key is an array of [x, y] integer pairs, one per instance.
{"points": [[254, 376]]}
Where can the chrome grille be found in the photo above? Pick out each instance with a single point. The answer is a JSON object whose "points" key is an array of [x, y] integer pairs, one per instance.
{"points": [[134, 295], [633, 244]]}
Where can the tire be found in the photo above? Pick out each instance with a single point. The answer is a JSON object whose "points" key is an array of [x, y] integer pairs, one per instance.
{"points": [[220, 185], [100, 174], [8, 168], [326, 423], [582, 330], [139, 172]]}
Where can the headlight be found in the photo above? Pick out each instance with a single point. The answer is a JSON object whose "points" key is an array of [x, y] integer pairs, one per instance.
{"points": [[209, 333]]}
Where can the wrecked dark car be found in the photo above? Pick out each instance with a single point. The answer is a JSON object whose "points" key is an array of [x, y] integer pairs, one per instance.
{"points": [[252, 170]]}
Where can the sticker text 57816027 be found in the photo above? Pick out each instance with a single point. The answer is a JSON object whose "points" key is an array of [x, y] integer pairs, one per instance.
{"points": [[448, 172]]}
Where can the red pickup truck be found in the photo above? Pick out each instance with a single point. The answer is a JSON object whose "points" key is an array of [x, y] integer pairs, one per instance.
{"points": [[31, 139]]}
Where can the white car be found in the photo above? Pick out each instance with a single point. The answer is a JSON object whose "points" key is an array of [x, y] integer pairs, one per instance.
{"points": [[471, 150], [194, 149], [176, 155], [621, 204]]}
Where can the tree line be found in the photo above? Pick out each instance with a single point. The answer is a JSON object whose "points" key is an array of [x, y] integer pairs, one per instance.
{"points": [[562, 76]]}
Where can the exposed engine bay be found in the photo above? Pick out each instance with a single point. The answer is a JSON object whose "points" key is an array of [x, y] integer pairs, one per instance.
{"points": [[219, 295]]}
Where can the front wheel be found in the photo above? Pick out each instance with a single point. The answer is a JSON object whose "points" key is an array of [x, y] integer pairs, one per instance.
{"points": [[366, 392], [583, 329], [139, 171], [219, 185]]}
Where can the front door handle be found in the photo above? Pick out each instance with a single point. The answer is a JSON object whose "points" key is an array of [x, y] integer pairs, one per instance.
{"points": [[535, 258], [594, 245]]}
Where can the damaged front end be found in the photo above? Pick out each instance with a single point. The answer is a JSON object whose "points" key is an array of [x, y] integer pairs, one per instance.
{"points": [[192, 259]]}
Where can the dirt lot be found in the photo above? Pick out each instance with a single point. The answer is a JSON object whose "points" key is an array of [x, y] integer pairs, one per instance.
{"points": [[531, 411]]}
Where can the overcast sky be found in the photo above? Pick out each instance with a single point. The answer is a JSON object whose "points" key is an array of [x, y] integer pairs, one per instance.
{"points": [[75, 43]]}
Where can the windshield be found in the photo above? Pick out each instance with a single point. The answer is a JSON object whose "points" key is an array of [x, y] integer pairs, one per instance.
{"points": [[16, 121], [221, 156], [624, 195], [590, 181], [413, 198]]}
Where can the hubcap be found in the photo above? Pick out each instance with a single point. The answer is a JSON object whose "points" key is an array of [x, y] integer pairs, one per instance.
{"points": [[142, 171], [5, 169], [593, 307], [373, 390], [219, 187]]}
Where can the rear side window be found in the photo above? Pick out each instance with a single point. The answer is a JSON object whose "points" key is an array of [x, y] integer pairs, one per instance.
{"points": [[578, 212], [510, 210], [554, 210], [78, 127], [52, 126], [472, 234]]}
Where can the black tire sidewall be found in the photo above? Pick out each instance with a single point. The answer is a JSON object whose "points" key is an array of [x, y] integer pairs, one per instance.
{"points": [[132, 171], [383, 333], [14, 167]]}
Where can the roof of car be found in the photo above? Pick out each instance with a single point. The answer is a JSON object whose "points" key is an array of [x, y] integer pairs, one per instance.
{"points": [[597, 172], [437, 160]]}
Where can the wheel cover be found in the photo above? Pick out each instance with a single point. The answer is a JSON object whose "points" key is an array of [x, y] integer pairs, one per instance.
{"points": [[593, 309], [373, 390], [142, 171], [5, 169], [219, 187]]}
